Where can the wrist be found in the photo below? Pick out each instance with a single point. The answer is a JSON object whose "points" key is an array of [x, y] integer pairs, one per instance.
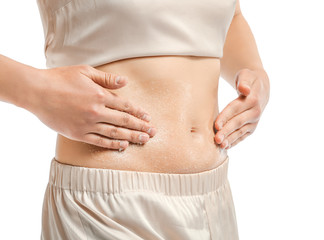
{"points": [[31, 89]]}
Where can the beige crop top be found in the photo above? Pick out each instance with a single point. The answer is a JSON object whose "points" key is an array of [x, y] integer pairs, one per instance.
{"points": [[96, 32]]}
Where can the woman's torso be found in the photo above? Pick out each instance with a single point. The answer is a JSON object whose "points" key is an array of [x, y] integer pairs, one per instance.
{"points": [[181, 95]]}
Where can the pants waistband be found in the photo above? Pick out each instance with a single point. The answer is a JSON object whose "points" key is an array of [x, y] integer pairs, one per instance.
{"points": [[76, 178]]}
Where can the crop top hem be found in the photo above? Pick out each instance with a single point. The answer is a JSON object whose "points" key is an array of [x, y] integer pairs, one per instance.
{"points": [[105, 61]]}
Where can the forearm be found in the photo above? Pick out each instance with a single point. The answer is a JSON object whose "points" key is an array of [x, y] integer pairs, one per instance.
{"points": [[17, 82], [240, 51]]}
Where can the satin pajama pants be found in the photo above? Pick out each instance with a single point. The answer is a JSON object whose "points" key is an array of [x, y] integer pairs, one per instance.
{"points": [[87, 203]]}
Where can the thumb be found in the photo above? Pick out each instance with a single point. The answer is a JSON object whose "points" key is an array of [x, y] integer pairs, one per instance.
{"points": [[107, 79], [243, 85]]}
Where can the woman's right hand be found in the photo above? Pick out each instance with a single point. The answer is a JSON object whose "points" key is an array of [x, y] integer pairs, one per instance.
{"points": [[74, 101]]}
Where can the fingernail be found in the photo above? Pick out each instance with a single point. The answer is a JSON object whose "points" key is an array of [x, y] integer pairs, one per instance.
{"points": [[220, 124], [151, 130], [146, 117], [221, 137], [123, 144], [225, 143], [143, 137], [119, 79]]}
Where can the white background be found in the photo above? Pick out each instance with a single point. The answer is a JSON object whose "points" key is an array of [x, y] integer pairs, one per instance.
{"points": [[276, 174]]}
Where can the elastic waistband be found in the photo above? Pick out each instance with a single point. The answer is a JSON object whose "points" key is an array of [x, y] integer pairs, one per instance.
{"points": [[77, 178]]}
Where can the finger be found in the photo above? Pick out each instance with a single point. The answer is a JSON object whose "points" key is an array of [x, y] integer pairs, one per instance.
{"points": [[105, 79], [244, 81], [123, 119], [231, 110], [121, 133], [237, 134], [248, 116], [239, 139], [101, 141], [124, 105]]}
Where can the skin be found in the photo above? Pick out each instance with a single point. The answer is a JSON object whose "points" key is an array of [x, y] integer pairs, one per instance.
{"points": [[93, 116], [172, 89], [241, 66]]}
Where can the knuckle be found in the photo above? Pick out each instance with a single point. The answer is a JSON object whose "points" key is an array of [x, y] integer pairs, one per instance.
{"points": [[125, 119], [240, 122], [127, 105], [108, 78], [241, 132], [223, 122], [115, 144], [100, 94], [250, 131], [253, 100], [143, 127], [139, 112], [113, 132], [93, 112], [133, 137], [232, 107], [99, 141]]}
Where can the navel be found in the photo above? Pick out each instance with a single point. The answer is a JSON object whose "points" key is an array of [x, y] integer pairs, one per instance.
{"points": [[193, 129]]}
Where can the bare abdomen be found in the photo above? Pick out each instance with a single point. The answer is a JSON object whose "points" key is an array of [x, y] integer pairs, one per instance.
{"points": [[180, 93]]}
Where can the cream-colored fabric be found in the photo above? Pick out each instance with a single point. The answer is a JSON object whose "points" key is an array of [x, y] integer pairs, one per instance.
{"points": [[87, 203], [96, 32]]}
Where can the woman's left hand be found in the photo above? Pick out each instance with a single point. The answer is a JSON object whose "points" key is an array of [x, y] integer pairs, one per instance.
{"points": [[240, 117]]}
